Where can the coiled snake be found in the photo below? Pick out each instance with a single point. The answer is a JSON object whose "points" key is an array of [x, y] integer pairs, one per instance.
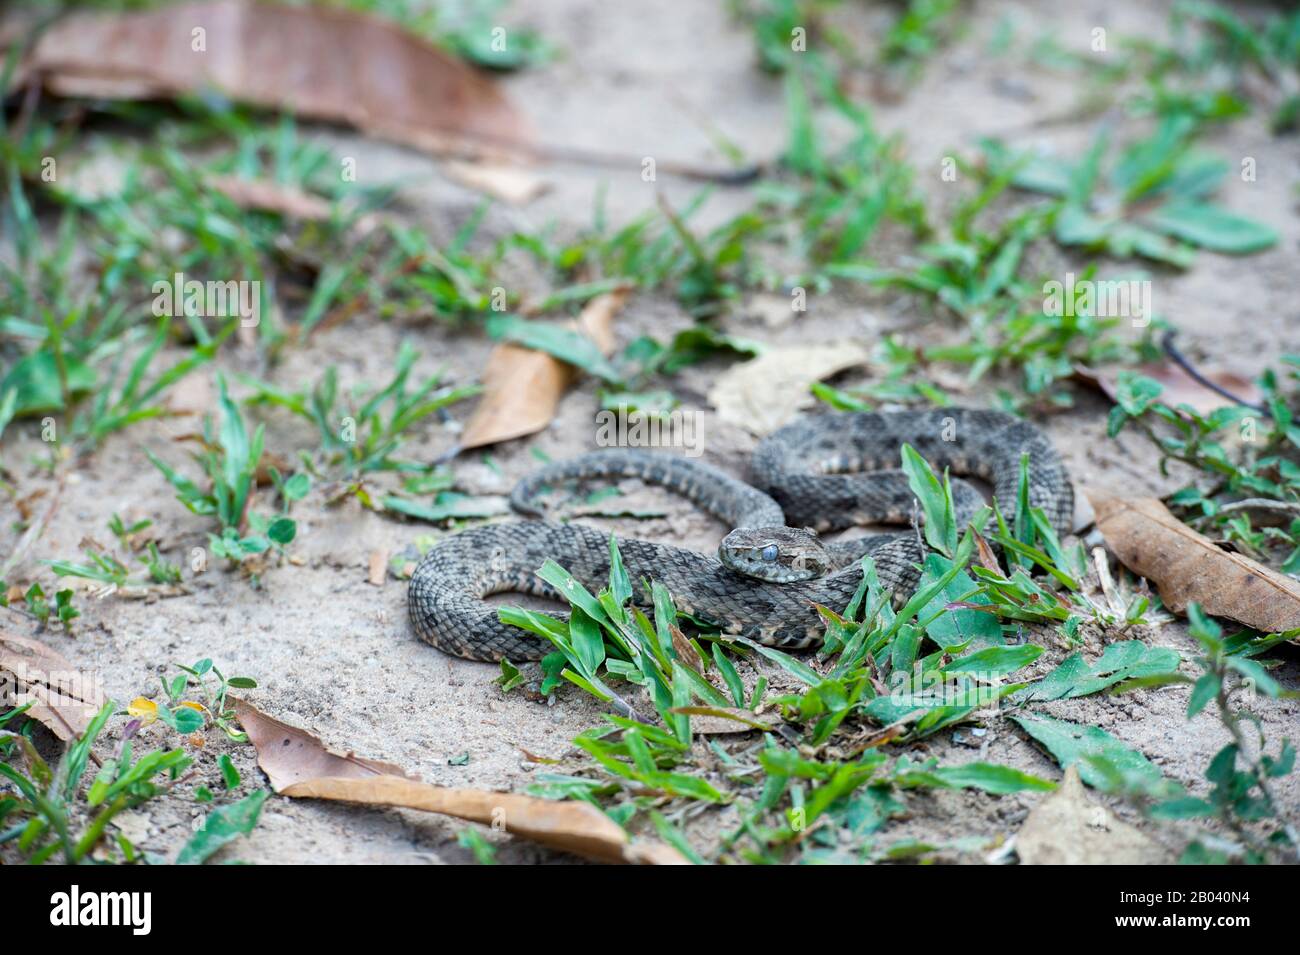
{"points": [[821, 473]]}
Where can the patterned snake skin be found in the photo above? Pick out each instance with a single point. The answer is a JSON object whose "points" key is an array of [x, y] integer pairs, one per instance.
{"points": [[816, 471]]}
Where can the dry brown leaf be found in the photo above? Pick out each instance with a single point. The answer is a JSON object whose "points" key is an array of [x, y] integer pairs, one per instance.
{"points": [[301, 766], [507, 183], [522, 388], [63, 699], [1067, 828], [685, 652], [289, 754], [396, 85], [378, 567], [1179, 386], [763, 394], [984, 554], [266, 196], [1187, 566]]}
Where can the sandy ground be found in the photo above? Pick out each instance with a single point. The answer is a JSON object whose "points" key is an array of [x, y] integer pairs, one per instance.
{"points": [[336, 654]]}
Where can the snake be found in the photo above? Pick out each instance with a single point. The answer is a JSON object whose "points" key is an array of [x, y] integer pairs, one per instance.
{"points": [[820, 473]]}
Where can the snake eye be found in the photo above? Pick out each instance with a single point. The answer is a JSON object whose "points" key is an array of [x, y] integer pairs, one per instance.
{"points": [[769, 552]]}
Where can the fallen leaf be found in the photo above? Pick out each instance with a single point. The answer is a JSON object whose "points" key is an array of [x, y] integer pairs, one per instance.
{"points": [[685, 652], [1067, 828], [507, 183], [763, 394], [1187, 567], [522, 388], [396, 85], [1123, 660], [985, 556], [63, 699], [378, 567], [1082, 745], [1179, 386], [289, 755], [299, 765], [266, 196]]}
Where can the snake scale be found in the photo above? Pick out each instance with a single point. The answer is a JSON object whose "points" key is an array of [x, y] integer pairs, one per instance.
{"points": [[821, 473]]}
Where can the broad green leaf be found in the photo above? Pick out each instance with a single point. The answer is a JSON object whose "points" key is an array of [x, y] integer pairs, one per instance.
{"points": [[935, 496], [958, 625], [995, 661], [1071, 744], [282, 530], [446, 506], [588, 642], [222, 826], [1129, 659], [1205, 689], [990, 777], [1211, 227], [562, 343], [37, 385], [297, 486]]}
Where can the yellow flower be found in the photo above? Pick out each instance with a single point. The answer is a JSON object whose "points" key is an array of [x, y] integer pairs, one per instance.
{"points": [[146, 711]]}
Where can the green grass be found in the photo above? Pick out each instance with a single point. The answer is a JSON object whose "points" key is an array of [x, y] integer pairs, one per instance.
{"points": [[797, 796], [83, 356], [230, 459], [1247, 479], [56, 814], [795, 800]]}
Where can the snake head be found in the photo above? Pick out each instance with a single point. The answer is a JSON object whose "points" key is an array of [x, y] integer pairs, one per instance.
{"points": [[779, 555]]}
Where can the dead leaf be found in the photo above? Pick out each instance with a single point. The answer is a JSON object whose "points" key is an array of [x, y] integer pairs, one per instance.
{"points": [[685, 651], [1179, 386], [1187, 566], [299, 765], [396, 85], [763, 394], [266, 196], [984, 553], [507, 183], [378, 567], [289, 755], [1067, 828], [522, 388], [63, 699]]}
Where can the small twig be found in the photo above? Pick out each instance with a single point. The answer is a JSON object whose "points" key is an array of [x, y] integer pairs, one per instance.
{"points": [[1288, 508], [1179, 359], [33, 532]]}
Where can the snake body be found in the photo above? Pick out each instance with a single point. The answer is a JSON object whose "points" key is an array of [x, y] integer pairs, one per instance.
{"points": [[823, 472]]}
